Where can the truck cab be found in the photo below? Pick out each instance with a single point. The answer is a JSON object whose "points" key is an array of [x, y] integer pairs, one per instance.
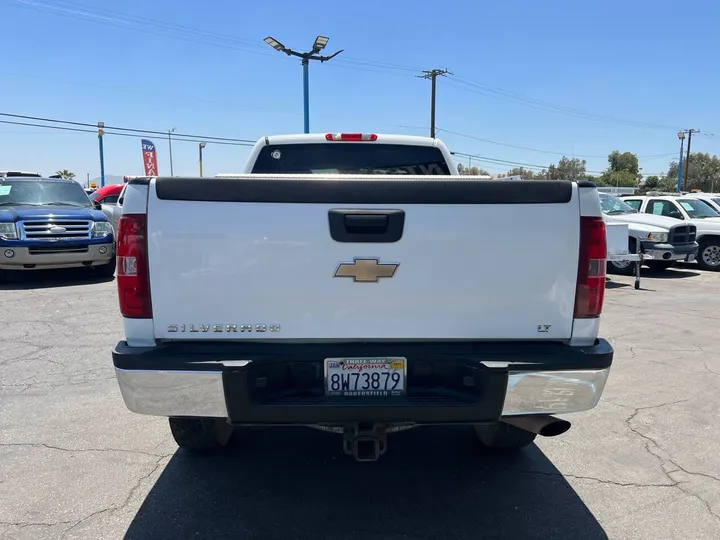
{"points": [[49, 223], [349, 153]]}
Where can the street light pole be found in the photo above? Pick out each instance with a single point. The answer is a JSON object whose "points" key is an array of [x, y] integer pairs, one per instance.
{"points": [[170, 132], [681, 136], [101, 132], [306, 95], [200, 147], [319, 45]]}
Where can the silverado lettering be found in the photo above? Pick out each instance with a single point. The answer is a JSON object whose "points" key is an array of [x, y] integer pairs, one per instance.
{"points": [[223, 328]]}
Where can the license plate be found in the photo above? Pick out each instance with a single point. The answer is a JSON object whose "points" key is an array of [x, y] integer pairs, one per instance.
{"points": [[365, 376]]}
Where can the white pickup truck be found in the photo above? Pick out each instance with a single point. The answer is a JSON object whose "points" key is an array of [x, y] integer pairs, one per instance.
{"points": [[360, 303], [662, 240]]}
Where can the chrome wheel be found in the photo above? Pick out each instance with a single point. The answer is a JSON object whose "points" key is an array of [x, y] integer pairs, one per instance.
{"points": [[711, 255]]}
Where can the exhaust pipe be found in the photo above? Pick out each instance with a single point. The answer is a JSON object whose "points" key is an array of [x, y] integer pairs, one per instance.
{"points": [[547, 426]]}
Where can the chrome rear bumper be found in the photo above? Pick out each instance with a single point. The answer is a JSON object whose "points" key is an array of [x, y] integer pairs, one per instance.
{"points": [[202, 393]]}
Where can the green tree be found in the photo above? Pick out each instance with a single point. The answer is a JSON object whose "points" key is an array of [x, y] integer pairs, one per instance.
{"points": [[567, 169], [526, 174], [704, 173], [625, 161], [618, 178], [471, 171], [64, 173], [597, 180], [652, 183]]}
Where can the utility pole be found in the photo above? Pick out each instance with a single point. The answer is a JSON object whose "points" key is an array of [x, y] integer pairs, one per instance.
{"points": [[687, 159], [170, 132], [432, 74]]}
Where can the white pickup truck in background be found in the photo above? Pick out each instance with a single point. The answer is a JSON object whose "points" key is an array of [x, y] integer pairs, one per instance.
{"points": [[691, 214], [360, 303], [662, 240]]}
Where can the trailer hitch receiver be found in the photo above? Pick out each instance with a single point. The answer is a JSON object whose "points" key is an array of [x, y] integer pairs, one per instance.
{"points": [[365, 442]]}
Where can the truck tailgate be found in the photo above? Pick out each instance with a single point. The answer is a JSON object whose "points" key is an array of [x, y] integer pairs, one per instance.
{"points": [[278, 258]]}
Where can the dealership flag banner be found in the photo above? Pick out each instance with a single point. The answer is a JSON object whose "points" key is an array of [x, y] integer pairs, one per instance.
{"points": [[149, 158]]}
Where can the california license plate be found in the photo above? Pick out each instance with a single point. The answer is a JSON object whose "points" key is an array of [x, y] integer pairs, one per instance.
{"points": [[365, 376]]}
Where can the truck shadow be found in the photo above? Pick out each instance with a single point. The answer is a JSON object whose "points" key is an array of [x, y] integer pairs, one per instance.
{"points": [[47, 279], [676, 272], [433, 483]]}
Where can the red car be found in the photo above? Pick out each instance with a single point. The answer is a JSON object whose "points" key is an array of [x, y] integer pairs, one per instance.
{"points": [[107, 194]]}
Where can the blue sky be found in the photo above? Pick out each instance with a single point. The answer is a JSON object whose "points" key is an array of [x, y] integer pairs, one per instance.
{"points": [[204, 70]]}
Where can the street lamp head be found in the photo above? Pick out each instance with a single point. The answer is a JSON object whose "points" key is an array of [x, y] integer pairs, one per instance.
{"points": [[681, 135], [202, 145], [275, 44], [320, 43]]}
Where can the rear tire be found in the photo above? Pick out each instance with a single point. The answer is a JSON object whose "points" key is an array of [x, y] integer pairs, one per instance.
{"points": [[624, 268], [502, 435], [659, 266], [201, 434], [708, 257]]}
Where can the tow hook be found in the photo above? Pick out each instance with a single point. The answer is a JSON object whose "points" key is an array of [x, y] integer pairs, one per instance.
{"points": [[365, 442]]}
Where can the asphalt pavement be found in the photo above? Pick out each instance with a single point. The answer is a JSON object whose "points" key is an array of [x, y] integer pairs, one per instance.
{"points": [[74, 463]]}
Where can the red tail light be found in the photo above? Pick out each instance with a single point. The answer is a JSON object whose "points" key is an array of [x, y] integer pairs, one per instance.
{"points": [[351, 137], [132, 262], [590, 289]]}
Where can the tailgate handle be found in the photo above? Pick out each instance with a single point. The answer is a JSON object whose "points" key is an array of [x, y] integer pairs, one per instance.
{"points": [[366, 225]]}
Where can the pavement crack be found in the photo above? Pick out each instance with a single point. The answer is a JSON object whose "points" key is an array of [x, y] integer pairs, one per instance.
{"points": [[673, 483], [73, 450], [654, 449], [33, 524], [707, 368], [122, 505]]}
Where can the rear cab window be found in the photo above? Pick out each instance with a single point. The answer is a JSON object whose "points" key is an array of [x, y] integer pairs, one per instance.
{"points": [[350, 158], [634, 203], [110, 199]]}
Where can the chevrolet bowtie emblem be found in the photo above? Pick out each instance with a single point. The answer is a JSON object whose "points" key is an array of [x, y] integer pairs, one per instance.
{"points": [[366, 270]]}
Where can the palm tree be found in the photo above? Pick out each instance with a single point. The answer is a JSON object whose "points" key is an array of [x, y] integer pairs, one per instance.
{"points": [[64, 173]]}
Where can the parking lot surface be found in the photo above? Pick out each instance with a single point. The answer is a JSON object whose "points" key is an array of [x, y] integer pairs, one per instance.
{"points": [[74, 463]]}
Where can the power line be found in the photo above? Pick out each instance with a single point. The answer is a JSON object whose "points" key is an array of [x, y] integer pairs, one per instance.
{"points": [[520, 99], [590, 156], [165, 96], [78, 11], [146, 25], [553, 152], [512, 163], [94, 131], [144, 131]]}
